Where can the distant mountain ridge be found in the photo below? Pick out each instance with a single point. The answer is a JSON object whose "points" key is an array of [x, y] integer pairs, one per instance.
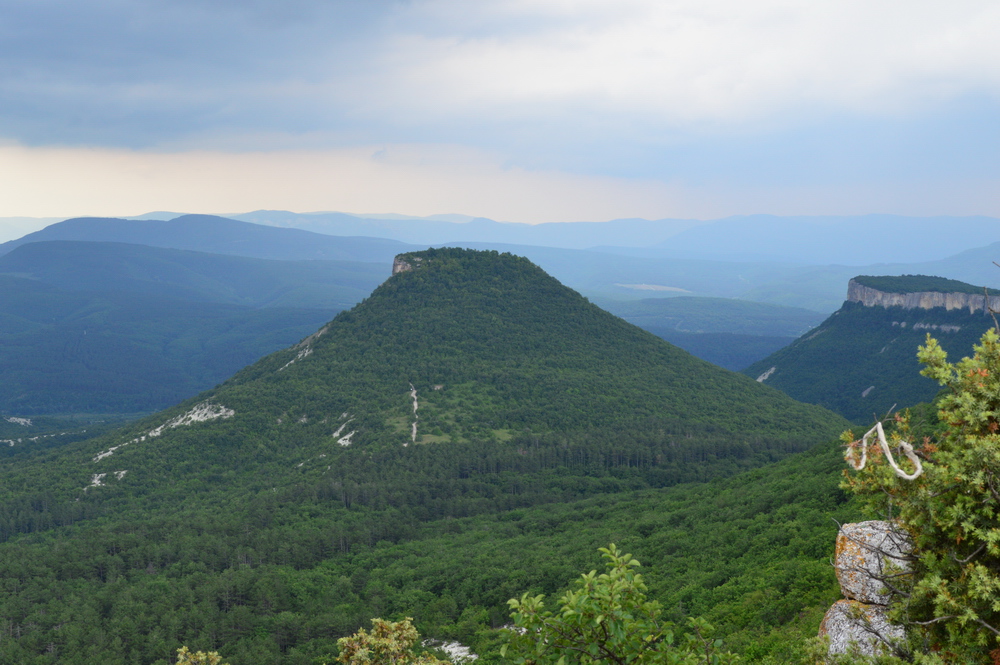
{"points": [[801, 240], [191, 275], [460, 228], [620, 273], [832, 240], [219, 235]]}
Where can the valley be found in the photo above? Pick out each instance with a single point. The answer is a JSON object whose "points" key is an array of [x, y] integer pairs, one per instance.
{"points": [[467, 431], [233, 506]]}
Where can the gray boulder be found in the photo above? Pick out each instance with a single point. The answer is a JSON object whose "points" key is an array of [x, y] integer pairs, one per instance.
{"points": [[859, 628], [867, 553]]}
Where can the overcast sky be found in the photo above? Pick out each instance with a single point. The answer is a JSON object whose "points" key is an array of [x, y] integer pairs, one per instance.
{"points": [[520, 110]]}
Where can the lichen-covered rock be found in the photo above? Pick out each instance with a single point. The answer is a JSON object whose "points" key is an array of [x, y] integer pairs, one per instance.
{"points": [[866, 552], [859, 628]]}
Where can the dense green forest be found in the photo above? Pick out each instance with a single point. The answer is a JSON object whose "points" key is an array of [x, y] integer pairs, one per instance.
{"points": [[863, 360], [283, 509], [276, 575], [916, 284]]}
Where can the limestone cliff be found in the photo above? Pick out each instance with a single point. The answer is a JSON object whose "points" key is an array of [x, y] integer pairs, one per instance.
{"points": [[404, 262], [871, 297]]}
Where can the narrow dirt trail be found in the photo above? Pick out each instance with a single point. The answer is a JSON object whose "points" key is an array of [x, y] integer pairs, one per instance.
{"points": [[413, 394]]}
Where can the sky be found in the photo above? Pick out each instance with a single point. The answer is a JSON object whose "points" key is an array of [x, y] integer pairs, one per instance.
{"points": [[527, 111]]}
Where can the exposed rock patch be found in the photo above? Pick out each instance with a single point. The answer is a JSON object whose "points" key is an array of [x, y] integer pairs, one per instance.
{"points": [[866, 553], [201, 413], [413, 394], [863, 627], [766, 375], [403, 263], [457, 653]]}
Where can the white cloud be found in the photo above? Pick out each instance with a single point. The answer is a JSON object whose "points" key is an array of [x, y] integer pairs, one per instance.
{"points": [[684, 61], [145, 73], [541, 109]]}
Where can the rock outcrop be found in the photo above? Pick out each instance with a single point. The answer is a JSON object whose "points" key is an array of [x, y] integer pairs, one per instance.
{"points": [[867, 554], [871, 297], [404, 262]]}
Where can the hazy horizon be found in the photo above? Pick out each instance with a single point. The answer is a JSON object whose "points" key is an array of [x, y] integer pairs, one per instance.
{"points": [[524, 112]]}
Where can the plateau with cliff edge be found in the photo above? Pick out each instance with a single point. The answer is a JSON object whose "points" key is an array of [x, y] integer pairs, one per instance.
{"points": [[861, 361]]}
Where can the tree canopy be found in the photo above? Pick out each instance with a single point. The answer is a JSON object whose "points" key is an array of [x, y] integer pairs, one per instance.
{"points": [[950, 599], [606, 618]]}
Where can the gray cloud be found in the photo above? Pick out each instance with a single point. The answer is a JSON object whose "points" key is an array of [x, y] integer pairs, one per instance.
{"points": [[133, 73], [698, 90]]}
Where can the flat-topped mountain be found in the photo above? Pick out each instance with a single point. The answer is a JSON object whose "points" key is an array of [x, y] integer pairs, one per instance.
{"points": [[861, 361], [490, 338], [919, 292]]}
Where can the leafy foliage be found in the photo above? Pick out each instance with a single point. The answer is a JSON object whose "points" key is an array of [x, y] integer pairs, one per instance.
{"points": [[185, 657], [389, 643], [916, 284], [606, 618], [949, 601]]}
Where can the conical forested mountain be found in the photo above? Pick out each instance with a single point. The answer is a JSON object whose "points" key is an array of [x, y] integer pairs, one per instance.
{"points": [[470, 383], [490, 347]]}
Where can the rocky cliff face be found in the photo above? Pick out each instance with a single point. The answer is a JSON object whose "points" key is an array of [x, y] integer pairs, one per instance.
{"points": [[404, 262], [870, 297]]}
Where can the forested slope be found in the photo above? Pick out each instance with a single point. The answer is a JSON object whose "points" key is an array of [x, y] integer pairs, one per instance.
{"points": [[462, 391], [863, 360]]}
